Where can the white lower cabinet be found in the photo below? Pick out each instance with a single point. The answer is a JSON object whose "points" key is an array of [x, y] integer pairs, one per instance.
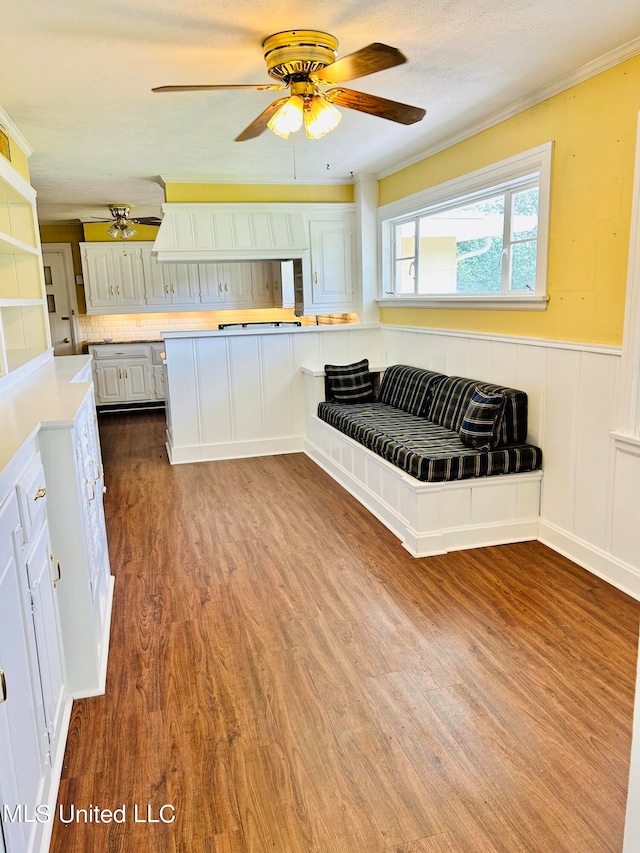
{"points": [[34, 703], [73, 467], [126, 373]]}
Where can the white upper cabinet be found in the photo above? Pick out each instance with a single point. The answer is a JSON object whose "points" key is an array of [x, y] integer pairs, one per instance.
{"points": [[332, 264], [169, 284], [113, 277]]}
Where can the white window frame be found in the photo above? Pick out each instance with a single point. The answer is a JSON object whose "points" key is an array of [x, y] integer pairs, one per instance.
{"points": [[490, 180]]}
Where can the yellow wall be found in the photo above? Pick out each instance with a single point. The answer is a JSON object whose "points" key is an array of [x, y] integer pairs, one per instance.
{"points": [[65, 232], [593, 126], [97, 232], [194, 193]]}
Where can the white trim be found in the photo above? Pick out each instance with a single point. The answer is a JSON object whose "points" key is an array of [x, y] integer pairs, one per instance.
{"points": [[537, 159], [601, 349], [585, 72], [16, 136], [626, 443], [234, 449], [488, 303], [418, 513], [65, 250], [604, 565], [270, 181], [462, 187]]}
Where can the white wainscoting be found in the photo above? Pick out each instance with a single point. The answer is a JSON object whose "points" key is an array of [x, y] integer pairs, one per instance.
{"points": [[240, 393], [591, 483]]}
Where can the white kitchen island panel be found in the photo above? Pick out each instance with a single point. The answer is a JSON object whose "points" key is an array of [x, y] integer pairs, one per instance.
{"points": [[237, 393]]}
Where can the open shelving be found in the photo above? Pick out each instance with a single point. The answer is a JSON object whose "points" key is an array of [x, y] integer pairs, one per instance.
{"points": [[24, 326]]}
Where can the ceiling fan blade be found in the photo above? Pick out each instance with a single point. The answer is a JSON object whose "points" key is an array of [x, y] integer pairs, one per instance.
{"points": [[205, 88], [260, 123], [375, 106], [368, 60], [146, 220]]}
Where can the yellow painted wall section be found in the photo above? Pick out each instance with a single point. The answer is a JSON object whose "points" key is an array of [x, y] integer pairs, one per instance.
{"points": [[65, 232], [230, 193], [96, 232], [593, 127], [19, 160]]}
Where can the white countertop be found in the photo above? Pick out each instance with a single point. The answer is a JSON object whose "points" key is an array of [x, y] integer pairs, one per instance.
{"points": [[48, 396], [278, 330]]}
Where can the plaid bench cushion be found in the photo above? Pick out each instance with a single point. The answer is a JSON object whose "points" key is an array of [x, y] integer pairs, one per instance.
{"points": [[451, 400], [409, 388], [425, 450]]}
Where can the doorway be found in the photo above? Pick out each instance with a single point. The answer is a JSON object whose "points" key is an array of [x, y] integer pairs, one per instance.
{"points": [[59, 280]]}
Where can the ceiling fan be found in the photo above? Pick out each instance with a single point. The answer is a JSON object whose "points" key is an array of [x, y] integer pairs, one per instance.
{"points": [[304, 62], [122, 222]]}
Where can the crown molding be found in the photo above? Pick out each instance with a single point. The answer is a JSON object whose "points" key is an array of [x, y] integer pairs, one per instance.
{"points": [[585, 72], [16, 136], [209, 179]]}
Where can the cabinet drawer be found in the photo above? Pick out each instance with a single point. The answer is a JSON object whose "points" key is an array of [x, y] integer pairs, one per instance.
{"points": [[32, 497], [157, 353], [120, 351]]}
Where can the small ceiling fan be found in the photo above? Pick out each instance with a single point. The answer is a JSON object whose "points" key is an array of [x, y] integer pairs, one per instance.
{"points": [[304, 61], [122, 222]]}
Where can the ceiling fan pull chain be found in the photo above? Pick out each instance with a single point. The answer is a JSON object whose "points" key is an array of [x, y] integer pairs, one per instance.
{"points": [[293, 146]]}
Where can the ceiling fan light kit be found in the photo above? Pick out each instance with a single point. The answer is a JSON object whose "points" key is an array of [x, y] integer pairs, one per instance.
{"points": [[304, 61]]}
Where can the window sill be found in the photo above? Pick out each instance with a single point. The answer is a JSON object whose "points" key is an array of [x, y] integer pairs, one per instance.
{"points": [[487, 303]]}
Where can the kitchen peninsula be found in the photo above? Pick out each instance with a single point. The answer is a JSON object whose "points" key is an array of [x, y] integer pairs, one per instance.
{"points": [[239, 392]]}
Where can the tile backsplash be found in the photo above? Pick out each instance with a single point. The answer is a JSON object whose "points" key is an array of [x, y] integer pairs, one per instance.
{"points": [[144, 327]]}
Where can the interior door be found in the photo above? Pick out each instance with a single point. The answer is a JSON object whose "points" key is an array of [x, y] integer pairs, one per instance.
{"points": [[58, 303]]}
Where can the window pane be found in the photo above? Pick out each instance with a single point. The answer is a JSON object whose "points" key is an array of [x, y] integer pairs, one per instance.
{"points": [[524, 214], [523, 266], [405, 237], [405, 276], [461, 248]]}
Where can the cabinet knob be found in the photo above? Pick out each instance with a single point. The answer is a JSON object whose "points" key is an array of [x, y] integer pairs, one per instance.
{"points": [[226, 287], [3, 687], [40, 493], [315, 276]]}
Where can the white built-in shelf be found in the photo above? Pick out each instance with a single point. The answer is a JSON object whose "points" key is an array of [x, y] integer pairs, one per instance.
{"points": [[18, 303], [25, 341], [10, 245]]}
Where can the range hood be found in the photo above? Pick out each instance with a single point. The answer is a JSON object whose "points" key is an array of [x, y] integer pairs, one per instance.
{"points": [[202, 233]]}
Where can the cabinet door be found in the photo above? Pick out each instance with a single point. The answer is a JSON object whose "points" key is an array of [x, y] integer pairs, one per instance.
{"points": [[46, 623], [331, 263], [136, 379], [109, 383], [182, 284], [156, 289], [99, 276], [21, 768], [262, 284], [238, 285], [276, 285], [129, 281], [157, 389], [211, 283]]}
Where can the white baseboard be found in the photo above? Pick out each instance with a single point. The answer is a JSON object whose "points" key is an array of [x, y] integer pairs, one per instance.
{"points": [[234, 449], [616, 572], [438, 535], [101, 686]]}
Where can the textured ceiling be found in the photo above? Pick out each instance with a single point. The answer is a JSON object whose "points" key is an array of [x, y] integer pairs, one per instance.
{"points": [[76, 77]]}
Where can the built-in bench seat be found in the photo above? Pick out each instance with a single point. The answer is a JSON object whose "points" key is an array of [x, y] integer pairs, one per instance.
{"points": [[427, 451], [410, 454]]}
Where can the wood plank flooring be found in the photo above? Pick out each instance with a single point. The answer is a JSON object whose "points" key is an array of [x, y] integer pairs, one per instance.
{"points": [[289, 679]]}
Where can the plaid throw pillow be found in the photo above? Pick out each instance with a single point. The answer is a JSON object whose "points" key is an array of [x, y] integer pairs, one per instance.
{"points": [[480, 426], [349, 383]]}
